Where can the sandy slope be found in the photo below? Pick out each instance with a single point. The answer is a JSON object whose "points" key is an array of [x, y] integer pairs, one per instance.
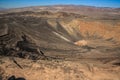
{"points": [[83, 69]]}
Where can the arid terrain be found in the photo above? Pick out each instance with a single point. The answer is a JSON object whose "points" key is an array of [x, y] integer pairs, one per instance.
{"points": [[61, 42]]}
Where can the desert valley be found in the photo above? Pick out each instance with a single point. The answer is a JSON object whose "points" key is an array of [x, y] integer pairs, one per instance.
{"points": [[60, 42]]}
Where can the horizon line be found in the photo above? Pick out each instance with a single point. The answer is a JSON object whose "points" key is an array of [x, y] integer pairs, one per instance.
{"points": [[60, 5]]}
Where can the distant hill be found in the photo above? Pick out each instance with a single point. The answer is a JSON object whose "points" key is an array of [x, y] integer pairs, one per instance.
{"points": [[2, 9], [79, 9]]}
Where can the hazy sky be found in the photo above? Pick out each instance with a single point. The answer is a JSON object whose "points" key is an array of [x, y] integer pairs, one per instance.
{"points": [[25, 3]]}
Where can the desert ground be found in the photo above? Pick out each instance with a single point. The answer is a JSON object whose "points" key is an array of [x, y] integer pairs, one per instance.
{"points": [[60, 43]]}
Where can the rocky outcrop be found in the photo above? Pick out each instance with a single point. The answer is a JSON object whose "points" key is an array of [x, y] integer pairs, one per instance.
{"points": [[22, 49]]}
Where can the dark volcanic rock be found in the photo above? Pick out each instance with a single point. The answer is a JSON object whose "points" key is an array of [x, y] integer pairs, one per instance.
{"points": [[26, 49]]}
